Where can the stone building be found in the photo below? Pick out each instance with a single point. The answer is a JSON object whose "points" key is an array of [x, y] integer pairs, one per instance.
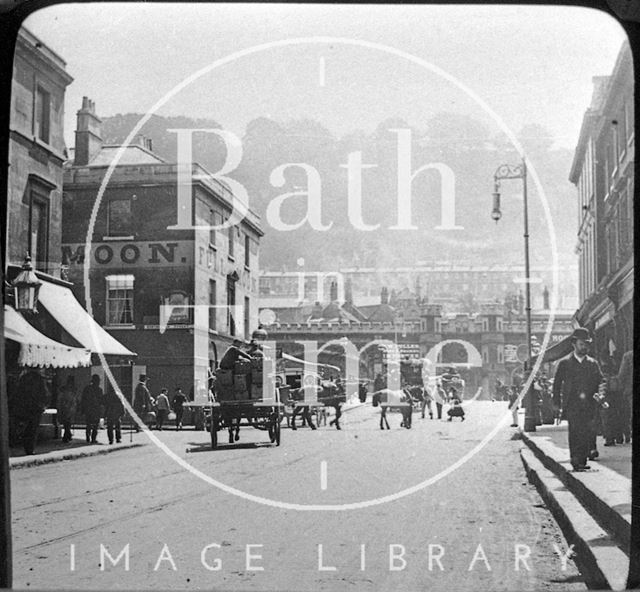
{"points": [[61, 338], [36, 155], [603, 172], [175, 295], [454, 287]]}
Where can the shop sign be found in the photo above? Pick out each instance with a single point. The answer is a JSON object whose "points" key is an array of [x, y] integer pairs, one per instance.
{"points": [[134, 254]]}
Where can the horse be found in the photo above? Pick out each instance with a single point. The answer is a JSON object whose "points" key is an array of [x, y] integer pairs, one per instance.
{"points": [[333, 395], [390, 398], [299, 395]]}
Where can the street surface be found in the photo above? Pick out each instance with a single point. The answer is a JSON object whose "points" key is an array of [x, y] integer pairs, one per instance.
{"points": [[463, 532]]}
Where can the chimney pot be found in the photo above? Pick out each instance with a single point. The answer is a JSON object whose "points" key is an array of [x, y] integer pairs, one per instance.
{"points": [[88, 133]]}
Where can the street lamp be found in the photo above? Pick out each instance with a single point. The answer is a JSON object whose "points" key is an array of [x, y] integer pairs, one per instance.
{"points": [[496, 214], [519, 171], [26, 287]]}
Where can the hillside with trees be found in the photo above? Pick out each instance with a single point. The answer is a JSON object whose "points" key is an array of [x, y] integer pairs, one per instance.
{"points": [[466, 146]]}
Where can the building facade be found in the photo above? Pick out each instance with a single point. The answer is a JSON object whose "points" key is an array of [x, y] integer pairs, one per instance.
{"points": [[60, 339], [176, 296], [497, 339], [36, 155], [603, 172], [452, 286]]}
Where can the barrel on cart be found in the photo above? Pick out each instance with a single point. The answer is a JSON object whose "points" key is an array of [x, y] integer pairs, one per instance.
{"points": [[240, 401]]}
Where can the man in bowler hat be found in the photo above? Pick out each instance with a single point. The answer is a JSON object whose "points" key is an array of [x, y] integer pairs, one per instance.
{"points": [[141, 399], [578, 378]]}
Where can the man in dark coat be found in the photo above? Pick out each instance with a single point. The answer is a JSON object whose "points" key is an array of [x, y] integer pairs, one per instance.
{"points": [[32, 399], [177, 404], [113, 412], [362, 392], [91, 406], [141, 399], [577, 380], [379, 383], [232, 355]]}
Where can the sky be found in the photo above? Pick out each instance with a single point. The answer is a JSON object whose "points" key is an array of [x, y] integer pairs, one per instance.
{"points": [[528, 64]]}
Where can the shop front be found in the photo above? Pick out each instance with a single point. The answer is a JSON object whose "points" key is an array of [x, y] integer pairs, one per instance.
{"points": [[59, 340]]}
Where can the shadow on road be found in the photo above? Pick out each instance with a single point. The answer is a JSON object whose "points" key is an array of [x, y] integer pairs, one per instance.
{"points": [[206, 446], [568, 580]]}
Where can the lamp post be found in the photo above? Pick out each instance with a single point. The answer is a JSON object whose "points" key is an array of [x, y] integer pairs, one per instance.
{"points": [[519, 171]]}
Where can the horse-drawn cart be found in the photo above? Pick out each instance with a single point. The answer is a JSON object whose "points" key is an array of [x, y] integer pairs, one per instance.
{"points": [[240, 401], [233, 414]]}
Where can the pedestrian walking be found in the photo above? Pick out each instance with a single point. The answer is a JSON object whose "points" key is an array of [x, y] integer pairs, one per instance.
{"points": [[32, 399], [513, 405], [113, 412], [162, 408], [142, 403], [576, 383], [67, 407], [625, 380], [362, 392], [177, 404], [440, 397], [379, 383], [336, 400], [425, 403], [91, 406]]}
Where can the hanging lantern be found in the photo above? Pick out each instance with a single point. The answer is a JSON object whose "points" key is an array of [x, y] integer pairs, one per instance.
{"points": [[26, 287], [496, 214]]}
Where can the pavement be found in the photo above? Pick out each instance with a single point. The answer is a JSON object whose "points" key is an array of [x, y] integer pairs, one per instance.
{"points": [[54, 450], [51, 450], [593, 508]]}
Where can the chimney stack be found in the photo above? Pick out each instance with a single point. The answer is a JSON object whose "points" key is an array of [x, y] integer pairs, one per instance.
{"points": [[348, 291], [384, 296], [333, 291], [88, 133]]}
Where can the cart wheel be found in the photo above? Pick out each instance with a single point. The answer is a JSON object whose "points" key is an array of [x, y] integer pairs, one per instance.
{"points": [[214, 432]]}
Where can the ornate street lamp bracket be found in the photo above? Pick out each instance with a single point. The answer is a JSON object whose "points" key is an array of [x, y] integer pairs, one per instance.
{"points": [[508, 171]]}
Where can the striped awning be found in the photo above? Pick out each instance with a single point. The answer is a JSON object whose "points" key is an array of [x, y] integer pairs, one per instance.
{"points": [[38, 350]]}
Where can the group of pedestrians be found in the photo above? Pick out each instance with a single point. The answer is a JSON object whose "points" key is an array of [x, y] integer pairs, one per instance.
{"points": [[29, 396], [156, 410], [440, 396], [583, 395]]}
